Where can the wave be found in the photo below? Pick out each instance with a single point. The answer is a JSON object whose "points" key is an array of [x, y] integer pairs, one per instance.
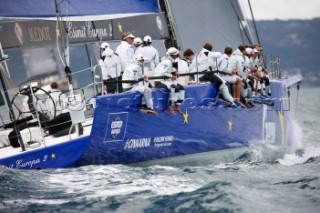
{"points": [[307, 155]]}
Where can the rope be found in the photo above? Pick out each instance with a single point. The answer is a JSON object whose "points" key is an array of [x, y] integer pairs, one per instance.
{"points": [[13, 87], [298, 88], [288, 92], [163, 92]]}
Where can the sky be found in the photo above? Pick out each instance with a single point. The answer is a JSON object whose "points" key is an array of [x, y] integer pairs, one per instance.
{"points": [[283, 9]]}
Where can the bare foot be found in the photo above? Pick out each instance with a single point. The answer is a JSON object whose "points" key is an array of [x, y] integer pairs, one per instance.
{"points": [[178, 108], [152, 112], [171, 110]]}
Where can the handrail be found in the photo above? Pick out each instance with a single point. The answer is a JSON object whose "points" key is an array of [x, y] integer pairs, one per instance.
{"points": [[274, 68]]}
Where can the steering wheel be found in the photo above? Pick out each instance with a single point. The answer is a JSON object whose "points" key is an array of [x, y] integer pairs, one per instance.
{"points": [[23, 102]]}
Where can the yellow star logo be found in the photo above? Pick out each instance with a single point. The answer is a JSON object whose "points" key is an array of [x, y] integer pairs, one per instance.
{"points": [[119, 27], [185, 116], [58, 32], [53, 155], [230, 125]]}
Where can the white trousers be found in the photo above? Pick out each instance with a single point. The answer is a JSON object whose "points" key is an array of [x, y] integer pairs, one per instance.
{"points": [[146, 94], [224, 90], [174, 96]]}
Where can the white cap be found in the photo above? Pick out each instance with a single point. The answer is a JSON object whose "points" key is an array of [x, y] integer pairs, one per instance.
{"points": [[104, 45], [147, 38], [249, 51], [138, 57], [173, 51], [137, 41]]}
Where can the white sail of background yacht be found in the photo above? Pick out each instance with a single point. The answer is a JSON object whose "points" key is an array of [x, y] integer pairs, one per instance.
{"points": [[42, 63]]}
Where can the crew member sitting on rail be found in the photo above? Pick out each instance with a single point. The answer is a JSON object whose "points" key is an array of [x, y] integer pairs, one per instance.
{"points": [[204, 61], [165, 68], [183, 68], [133, 73], [237, 62], [189, 56], [253, 74], [259, 62], [230, 75], [207, 62]]}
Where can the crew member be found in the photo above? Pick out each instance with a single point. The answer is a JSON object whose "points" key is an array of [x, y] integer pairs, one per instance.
{"points": [[137, 42], [230, 75], [206, 61], [133, 72], [151, 56], [59, 99], [103, 47], [165, 68], [237, 62], [125, 50], [110, 65]]}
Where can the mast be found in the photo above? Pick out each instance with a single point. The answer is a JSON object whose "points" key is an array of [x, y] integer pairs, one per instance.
{"points": [[16, 128]]}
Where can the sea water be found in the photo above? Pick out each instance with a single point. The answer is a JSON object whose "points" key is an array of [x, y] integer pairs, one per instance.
{"points": [[260, 180]]}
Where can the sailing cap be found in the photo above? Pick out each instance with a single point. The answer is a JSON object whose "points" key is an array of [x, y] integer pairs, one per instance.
{"points": [[255, 50], [137, 41], [104, 45], [127, 35], [147, 38], [249, 51], [173, 51], [138, 57]]}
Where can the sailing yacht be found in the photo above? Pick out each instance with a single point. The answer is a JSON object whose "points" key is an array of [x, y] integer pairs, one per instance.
{"points": [[119, 133]]}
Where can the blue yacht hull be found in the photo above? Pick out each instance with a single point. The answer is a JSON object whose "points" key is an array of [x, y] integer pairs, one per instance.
{"points": [[58, 156], [121, 134]]}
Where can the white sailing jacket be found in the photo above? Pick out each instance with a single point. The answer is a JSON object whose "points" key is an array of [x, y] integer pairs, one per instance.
{"points": [[203, 60], [237, 62], [133, 72], [182, 68], [111, 65], [223, 64], [151, 56], [164, 68], [126, 52]]}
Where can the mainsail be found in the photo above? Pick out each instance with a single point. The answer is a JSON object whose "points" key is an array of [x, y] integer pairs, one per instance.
{"points": [[220, 22]]}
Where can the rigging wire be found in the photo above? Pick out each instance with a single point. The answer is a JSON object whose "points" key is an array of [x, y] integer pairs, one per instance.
{"points": [[298, 88], [254, 22], [244, 10], [240, 22]]}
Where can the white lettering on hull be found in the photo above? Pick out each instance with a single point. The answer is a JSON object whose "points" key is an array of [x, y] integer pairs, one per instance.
{"points": [[138, 143]]}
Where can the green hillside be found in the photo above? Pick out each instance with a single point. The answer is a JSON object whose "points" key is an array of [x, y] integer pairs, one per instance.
{"points": [[296, 42]]}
